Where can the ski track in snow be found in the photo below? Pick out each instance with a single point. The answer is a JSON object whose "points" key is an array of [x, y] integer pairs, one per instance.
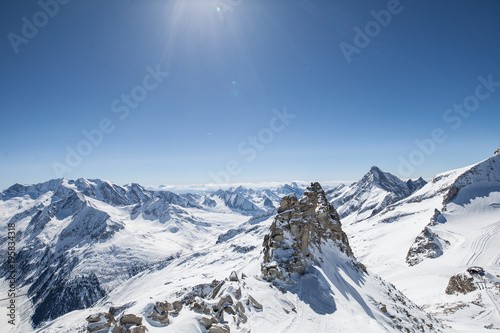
{"points": [[480, 242]]}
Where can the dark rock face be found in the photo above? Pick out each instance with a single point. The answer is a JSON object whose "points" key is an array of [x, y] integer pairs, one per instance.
{"points": [[460, 283], [415, 185], [52, 301], [427, 244], [301, 226]]}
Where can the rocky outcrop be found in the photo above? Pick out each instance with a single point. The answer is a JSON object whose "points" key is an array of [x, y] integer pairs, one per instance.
{"points": [[460, 283], [100, 321], [415, 185], [427, 244], [497, 152], [105, 322], [299, 230]]}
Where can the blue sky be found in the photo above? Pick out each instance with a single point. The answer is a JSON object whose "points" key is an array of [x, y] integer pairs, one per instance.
{"points": [[232, 67]]}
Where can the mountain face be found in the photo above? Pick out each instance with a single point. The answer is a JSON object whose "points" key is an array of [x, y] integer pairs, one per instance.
{"points": [[324, 283], [415, 185], [449, 225], [371, 194], [93, 255]]}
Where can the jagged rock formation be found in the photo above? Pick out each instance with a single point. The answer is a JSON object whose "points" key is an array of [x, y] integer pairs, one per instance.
{"points": [[415, 185], [460, 283], [371, 194], [301, 227], [427, 244], [497, 152]]}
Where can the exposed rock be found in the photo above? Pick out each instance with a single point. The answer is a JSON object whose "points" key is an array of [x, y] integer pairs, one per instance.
{"points": [[100, 321], [254, 303], [216, 290], [229, 309], [460, 283], [227, 300], [201, 308], [497, 152], [160, 313], [240, 309], [219, 329], [233, 276], [138, 329], [207, 322], [130, 319], [237, 293], [177, 306], [300, 226], [415, 185], [426, 245]]}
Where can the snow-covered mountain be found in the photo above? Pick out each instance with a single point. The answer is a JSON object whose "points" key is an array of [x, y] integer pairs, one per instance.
{"points": [[371, 194], [438, 232], [222, 288], [93, 254]]}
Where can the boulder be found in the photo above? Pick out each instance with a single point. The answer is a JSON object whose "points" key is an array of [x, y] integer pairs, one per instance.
{"points": [[254, 303], [227, 300], [177, 306], [130, 319], [207, 322], [138, 329], [233, 276], [219, 329], [100, 321]]}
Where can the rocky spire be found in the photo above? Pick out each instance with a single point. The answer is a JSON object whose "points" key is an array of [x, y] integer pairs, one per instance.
{"points": [[299, 231]]}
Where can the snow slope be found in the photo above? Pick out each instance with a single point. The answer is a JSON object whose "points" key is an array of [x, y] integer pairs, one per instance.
{"points": [[462, 209]]}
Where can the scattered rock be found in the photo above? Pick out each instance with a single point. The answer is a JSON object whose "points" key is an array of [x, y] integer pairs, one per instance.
{"points": [[216, 290], [233, 276], [219, 329], [228, 300], [138, 329], [207, 322], [254, 303], [460, 283], [100, 321], [177, 306], [130, 319]]}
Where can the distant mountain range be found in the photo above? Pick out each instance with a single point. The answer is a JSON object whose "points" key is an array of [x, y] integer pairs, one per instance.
{"points": [[85, 246]]}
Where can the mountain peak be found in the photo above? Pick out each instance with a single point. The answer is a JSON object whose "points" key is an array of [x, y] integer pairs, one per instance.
{"points": [[298, 233]]}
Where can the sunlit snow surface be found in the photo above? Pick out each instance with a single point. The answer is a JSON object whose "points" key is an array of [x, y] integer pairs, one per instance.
{"points": [[209, 241]]}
